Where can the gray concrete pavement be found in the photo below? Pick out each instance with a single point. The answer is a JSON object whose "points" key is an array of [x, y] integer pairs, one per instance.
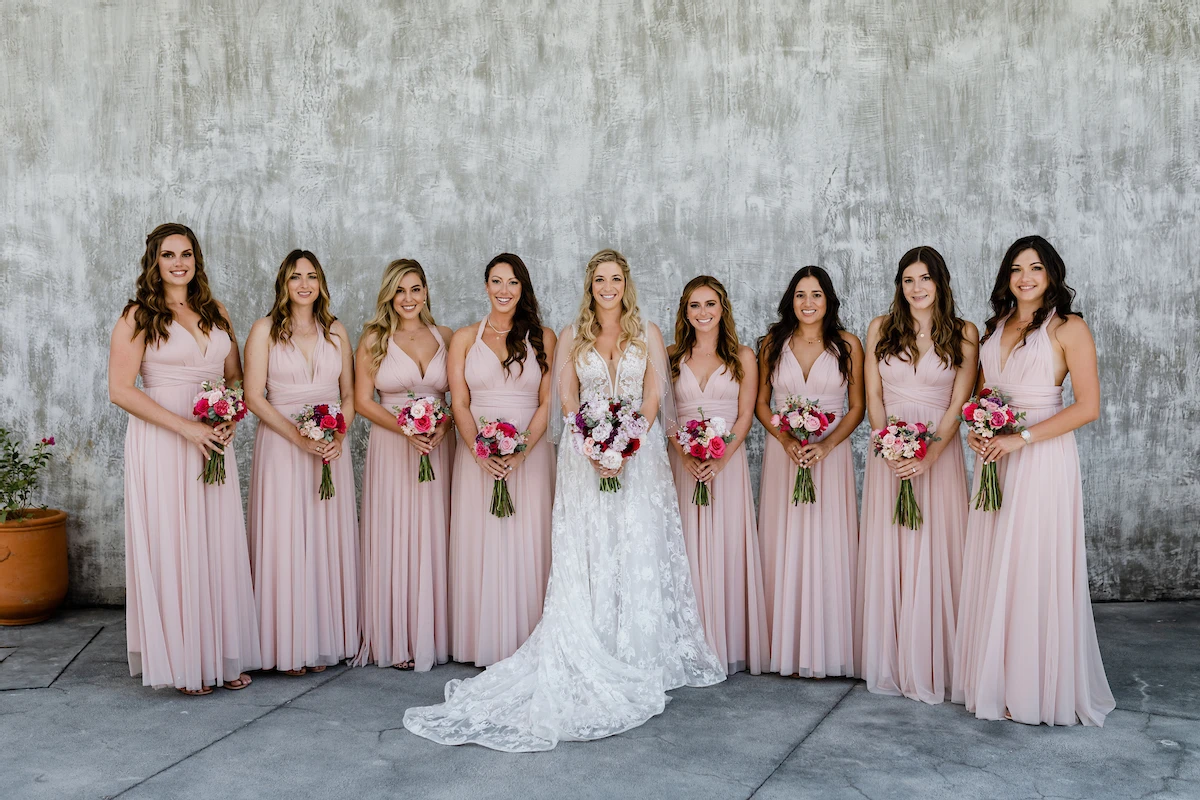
{"points": [[73, 724]]}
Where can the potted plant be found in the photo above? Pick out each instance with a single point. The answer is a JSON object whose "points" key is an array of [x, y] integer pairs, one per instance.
{"points": [[33, 541]]}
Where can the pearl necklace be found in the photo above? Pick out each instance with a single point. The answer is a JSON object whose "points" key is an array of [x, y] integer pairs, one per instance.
{"points": [[493, 327]]}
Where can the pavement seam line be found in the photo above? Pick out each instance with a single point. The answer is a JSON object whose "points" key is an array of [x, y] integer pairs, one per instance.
{"points": [[222, 738], [77, 655], [803, 739]]}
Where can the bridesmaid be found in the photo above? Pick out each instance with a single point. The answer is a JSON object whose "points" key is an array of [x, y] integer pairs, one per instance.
{"points": [[810, 552], [500, 370], [922, 370], [716, 376], [1026, 644], [304, 550], [405, 524], [189, 609]]}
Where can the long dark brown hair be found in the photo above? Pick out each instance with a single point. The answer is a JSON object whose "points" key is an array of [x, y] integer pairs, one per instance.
{"points": [[1058, 296], [527, 318], [152, 314], [781, 331], [281, 311], [898, 334], [685, 333]]}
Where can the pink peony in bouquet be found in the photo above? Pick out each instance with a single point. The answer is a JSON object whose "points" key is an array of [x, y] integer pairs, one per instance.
{"points": [[607, 432], [988, 414], [704, 439], [421, 416], [897, 442], [320, 423], [803, 420], [499, 438], [217, 404]]}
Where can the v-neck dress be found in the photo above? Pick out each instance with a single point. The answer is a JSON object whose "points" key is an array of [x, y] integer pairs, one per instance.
{"points": [[722, 537], [499, 567], [405, 526], [1026, 640], [304, 550], [908, 580], [189, 599], [809, 551]]}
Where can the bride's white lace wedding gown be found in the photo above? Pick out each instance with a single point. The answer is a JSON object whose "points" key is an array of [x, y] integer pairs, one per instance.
{"points": [[620, 625]]}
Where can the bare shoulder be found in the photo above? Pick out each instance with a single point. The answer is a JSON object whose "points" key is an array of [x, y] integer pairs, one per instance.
{"points": [[260, 328], [568, 332], [970, 332], [548, 337], [368, 338], [339, 330], [128, 318], [464, 334], [446, 333], [852, 340], [875, 326], [224, 311], [653, 332], [1072, 331], [746, 354]]}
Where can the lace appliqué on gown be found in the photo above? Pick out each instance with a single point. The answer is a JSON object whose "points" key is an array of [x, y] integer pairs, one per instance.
{"points": [[620, 625]]}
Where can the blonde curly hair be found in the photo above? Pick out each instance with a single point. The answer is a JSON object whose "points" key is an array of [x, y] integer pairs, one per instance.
{"points": [[586, 326]]}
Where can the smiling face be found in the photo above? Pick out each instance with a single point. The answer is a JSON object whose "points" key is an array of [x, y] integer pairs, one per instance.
{"points": [[1027, 277], [704, 310], [504, 289], [176, 260], [608, 286], [304, 284], [410, 297], [920, 290], [808, 301]]}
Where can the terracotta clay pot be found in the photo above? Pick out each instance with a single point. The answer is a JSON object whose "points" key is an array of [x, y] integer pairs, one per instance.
{"points": [[33, 566]]}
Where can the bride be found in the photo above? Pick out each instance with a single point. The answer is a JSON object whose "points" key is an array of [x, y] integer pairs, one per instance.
{"points": [[619, 627]]}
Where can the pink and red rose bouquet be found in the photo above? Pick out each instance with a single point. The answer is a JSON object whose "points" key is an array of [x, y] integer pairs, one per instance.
{"points": [[320, 423], [607, 432], [805, 421], [217, 404], [988, 414], [421, 416], [704, 439], [897, 442], [497, 437]]}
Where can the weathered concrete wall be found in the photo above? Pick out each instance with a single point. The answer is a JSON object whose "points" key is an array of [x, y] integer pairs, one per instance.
{"points": [[740, 139]]}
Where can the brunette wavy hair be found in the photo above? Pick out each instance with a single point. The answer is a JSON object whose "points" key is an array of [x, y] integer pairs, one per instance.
{"points": [[385, 322], [281, 311], [685, 333], [898, 334], [586, 326], [771, 344], [1058, 296], [149, 302], [527, 319]]}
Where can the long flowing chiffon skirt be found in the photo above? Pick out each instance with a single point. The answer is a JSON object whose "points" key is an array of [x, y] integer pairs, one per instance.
{"points": [[405, 532]]}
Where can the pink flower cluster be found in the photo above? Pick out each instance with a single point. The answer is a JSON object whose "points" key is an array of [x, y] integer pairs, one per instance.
{"points": [[499, 438], [321, 422], [988, 414], [607, 431], [803, 419], [219, 403], [420, 415], [900, 440], [705, 438]]}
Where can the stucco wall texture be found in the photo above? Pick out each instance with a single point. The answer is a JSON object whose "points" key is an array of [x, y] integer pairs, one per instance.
{"points": [[742, 140]]}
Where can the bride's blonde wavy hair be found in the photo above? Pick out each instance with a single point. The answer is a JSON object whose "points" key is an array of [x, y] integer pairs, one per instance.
{"points": [[385, 322], [586, 326]]}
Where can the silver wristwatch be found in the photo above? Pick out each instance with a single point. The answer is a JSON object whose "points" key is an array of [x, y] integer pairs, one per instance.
{"points": [[1027, 436]]}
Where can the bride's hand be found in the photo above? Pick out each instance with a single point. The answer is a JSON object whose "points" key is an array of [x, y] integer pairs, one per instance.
{"points": [[606, 473]]}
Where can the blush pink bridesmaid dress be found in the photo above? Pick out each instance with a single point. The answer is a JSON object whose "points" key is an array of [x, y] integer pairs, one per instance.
{"points": [[499, 567], [722, 537], [304, 549], [810, 552], [189, 606], [405, 527], [908, 580], [1026, 642]]}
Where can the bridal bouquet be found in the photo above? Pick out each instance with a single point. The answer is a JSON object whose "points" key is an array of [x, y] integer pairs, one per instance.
{"points": [[607, 432], [499, 438], [897, 442], [320, 423], [803, 420], [419, 416], [705, 439], [216, 404], [988, 414]]}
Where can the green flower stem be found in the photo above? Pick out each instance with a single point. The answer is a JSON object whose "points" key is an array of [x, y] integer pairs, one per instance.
{"points": [[907, 513], [989, 497], [425, 471], [803, 491], [502, 504]]}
